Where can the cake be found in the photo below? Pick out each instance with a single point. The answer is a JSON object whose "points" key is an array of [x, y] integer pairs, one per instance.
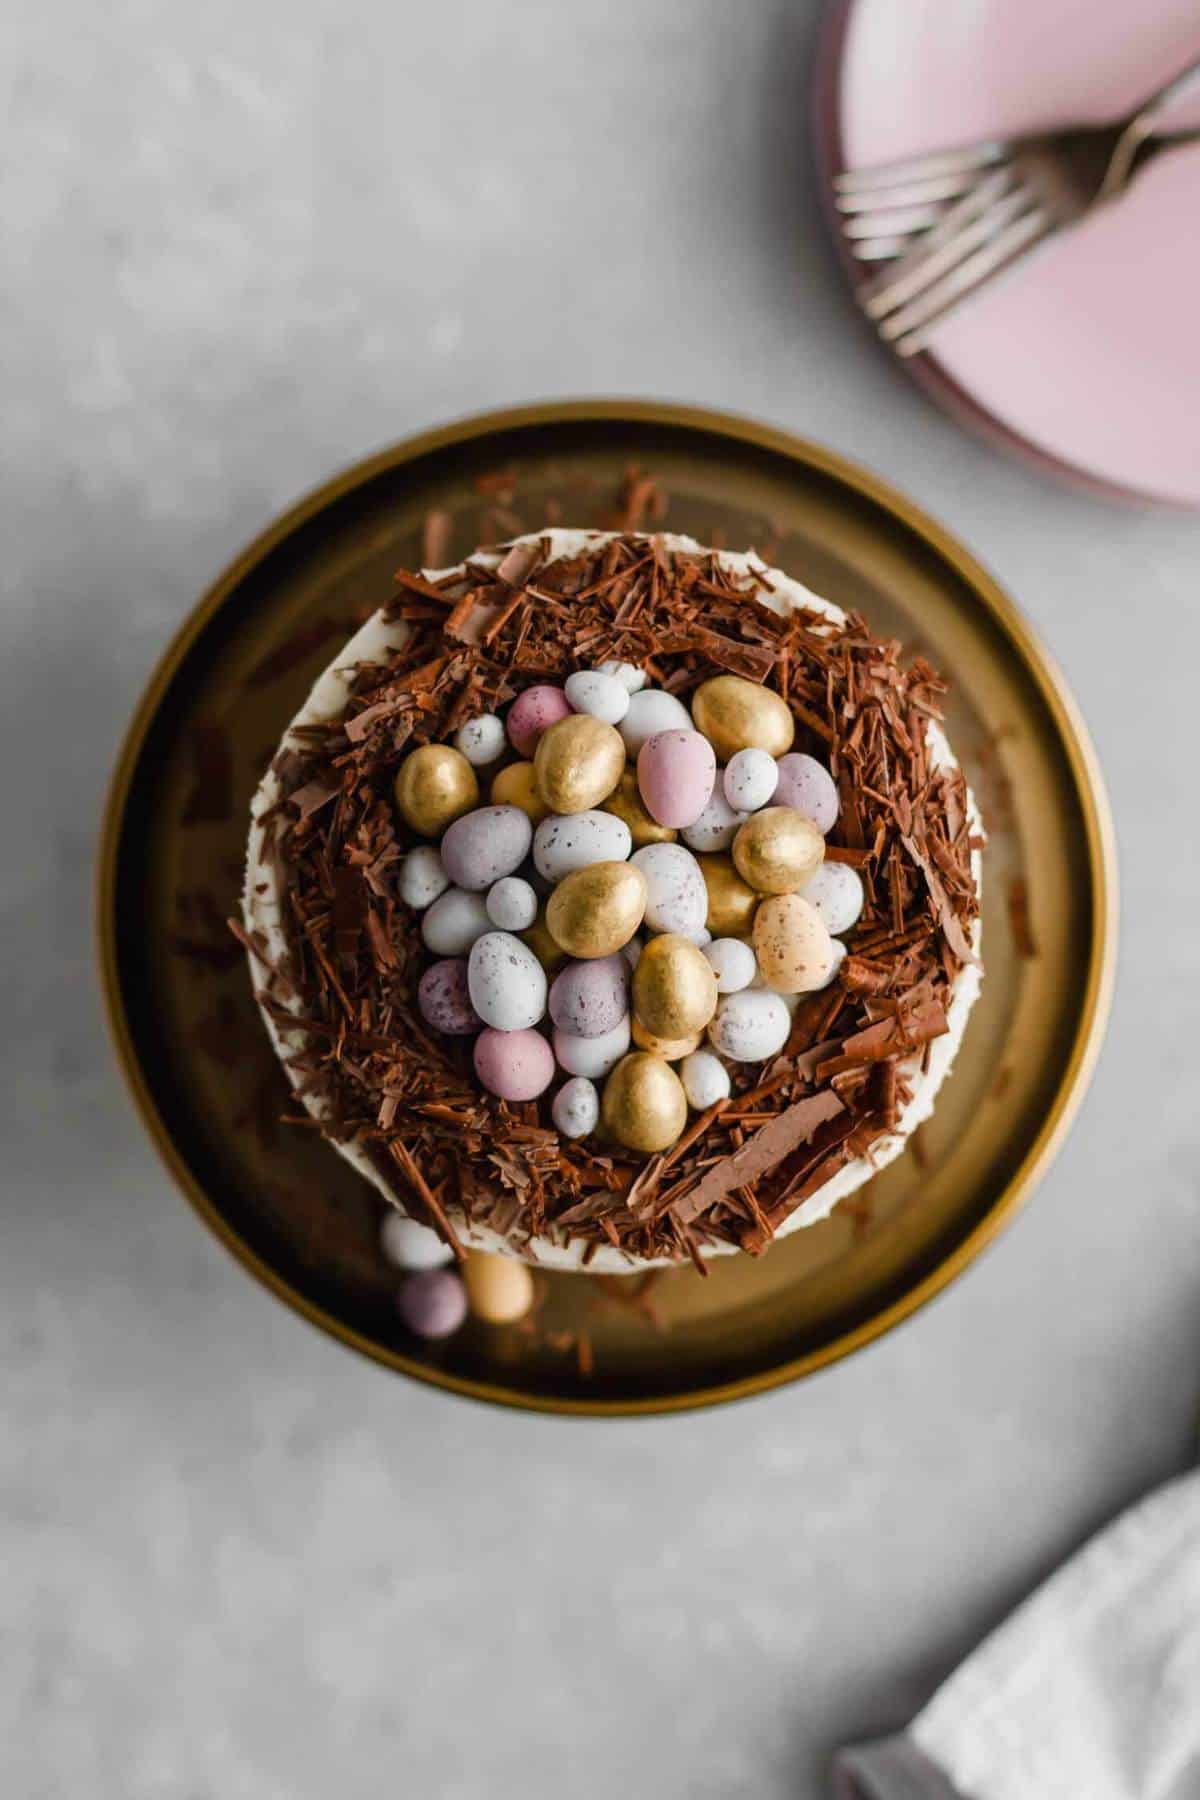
{"points": [[612, 901]]}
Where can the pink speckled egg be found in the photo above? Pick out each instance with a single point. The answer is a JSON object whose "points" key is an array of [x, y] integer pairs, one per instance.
{"points": [[433, 1304], [531, 713], [807, 785], [589, 998], [677, 771], [444, 998], [515, 1065]]}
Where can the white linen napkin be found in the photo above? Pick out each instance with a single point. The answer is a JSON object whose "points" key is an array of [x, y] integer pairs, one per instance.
{"points": [[1090, 1691]]}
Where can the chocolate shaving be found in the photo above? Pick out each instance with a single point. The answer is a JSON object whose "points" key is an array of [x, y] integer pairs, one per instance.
{"points": [[759, 1154]]}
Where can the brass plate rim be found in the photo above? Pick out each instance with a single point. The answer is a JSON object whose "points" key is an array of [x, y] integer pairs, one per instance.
{"points": [[1038, 664]]}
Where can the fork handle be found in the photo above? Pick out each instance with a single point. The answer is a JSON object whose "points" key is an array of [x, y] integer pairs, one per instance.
{"points": [[1185, 82], [1143, 137]]}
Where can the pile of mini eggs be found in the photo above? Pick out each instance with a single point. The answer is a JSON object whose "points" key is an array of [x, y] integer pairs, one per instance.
{"points": [[646, 881], [434, 1299]]}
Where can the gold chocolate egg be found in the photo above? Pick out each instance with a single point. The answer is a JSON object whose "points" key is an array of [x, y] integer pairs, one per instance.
{"points": [[626, 804], [499, 1288], [731, 902], [515, 786], [735, 714], [644, 1106], [792, 944], [596, 910], [674, 987], [537, 936], [578, 762], [434, 786], [670, 1049], [777, 850]]}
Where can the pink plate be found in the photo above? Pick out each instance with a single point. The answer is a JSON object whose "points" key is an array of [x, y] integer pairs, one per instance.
{"points": [[1087, 354]]}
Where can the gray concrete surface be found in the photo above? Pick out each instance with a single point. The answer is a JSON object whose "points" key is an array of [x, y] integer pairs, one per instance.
{"points": [[243, 244]]}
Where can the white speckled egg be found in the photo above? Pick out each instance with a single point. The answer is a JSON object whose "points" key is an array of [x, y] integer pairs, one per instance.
{"points": [[576, 1108], [836, 892], [717, 825], [410, 1245], [750, 780], [592, 691], [807, 785], [750, 1026], [422, 878], [588, 999], [444, 998], [512, 904], [676, 772], [733, 963], [705, 1079], [454, 921], [485, 845], [568, 841], [650, 712], [632, 679], [592, 1056], [506, 981], [481, 739], [676, 897]]}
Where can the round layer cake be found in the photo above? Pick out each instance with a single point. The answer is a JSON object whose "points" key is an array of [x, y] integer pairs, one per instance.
{"points": [[613, 901]]}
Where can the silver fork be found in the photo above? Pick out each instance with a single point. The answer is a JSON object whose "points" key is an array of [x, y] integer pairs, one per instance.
{"points": [[955, 219]]}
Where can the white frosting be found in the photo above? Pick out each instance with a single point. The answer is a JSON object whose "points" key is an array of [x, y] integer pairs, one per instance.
{"points": [[263, 899]]}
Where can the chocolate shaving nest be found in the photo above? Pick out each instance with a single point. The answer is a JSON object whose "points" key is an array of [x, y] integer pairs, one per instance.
{"points": [[450, 1151]]}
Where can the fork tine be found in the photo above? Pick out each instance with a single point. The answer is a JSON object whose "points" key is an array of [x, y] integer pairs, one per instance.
{"points": [[879, 249], [897, 221], [918, 168], [908, 193], [938, 250], [911, 327]]}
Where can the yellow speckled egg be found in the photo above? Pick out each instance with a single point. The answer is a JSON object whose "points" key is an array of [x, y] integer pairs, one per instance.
{"points": [[793, 946], [434, 786], [499, 1288], [516, 786], [674, 987], [626, 804], [596, 910], [538, 937], [644, 1106], [735, 714], [578, 762], [731, 901], [670, 1049], [777, 850]]}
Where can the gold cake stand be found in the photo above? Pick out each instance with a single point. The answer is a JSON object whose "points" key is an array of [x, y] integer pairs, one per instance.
{"points": [[191, 1043]]}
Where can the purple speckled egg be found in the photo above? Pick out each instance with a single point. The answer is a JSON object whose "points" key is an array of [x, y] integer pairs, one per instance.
{"points": [[433, 1304], [515, 1065], [445, 1000], [677, 771], [807, 785], [589, 998], [533, 712], [485, 845]]}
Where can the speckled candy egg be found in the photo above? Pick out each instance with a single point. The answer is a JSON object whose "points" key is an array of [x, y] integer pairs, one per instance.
{"points": [[632, 679], [576, 1108], [652, 711], [485, 845], [750, 780], [595, 692], [481, 739], [750, 1026], [422, 878], [410, 1245], [676, 774], [499, 1288], [533, 712], [433, 1304], [807, 785], [506, 982], [512, 905], [736, 714], [792, 944], [717, 825], [676, 897], [836, 891], [568, 841], [589, 998], [454, 921], [445, 999], [733, 963], [515, 1065], [592, 1056], [705, 1079]]}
